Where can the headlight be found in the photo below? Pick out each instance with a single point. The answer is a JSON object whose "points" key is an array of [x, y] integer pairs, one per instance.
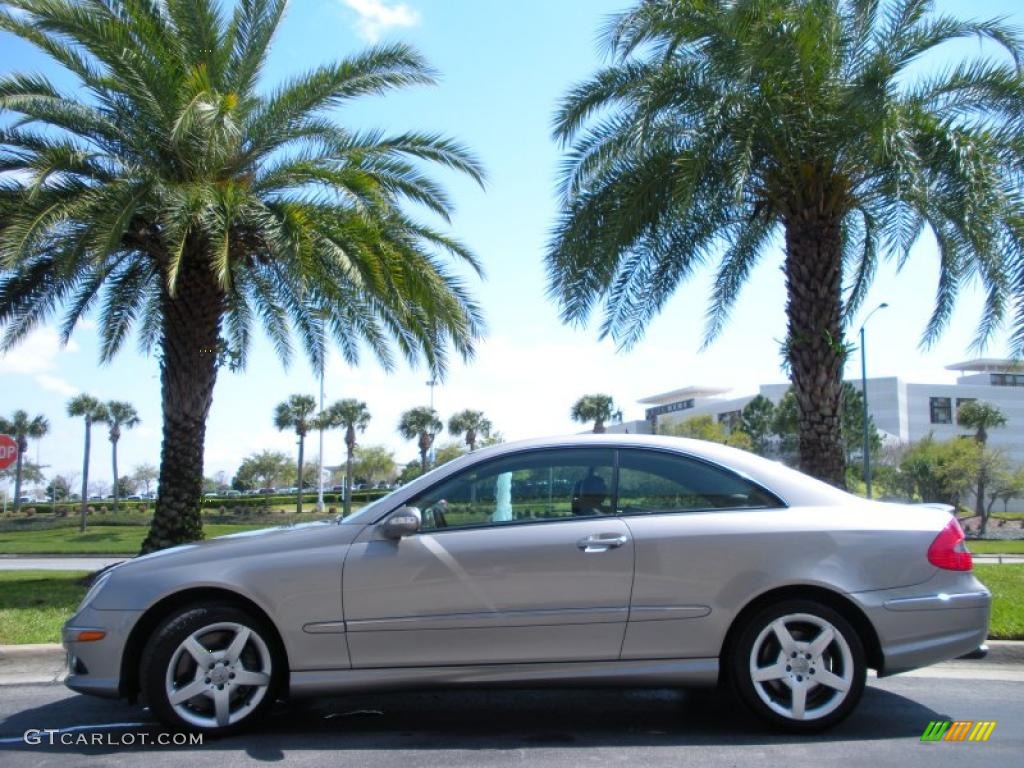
{"points": [[95, 588]]}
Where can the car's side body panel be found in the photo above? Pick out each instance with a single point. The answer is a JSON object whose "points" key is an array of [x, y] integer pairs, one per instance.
{"points": [[659, 673], [292, 574], [507, 594], [720, 561]]}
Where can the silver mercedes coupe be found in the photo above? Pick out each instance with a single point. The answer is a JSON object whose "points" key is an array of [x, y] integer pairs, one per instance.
{"points": [[594, 560]]}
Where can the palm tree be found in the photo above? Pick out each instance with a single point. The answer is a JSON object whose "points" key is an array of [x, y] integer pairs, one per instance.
{"points": [[981, 417], [297, 413], [595, 408], [420, 424], [120, 415], [178, 195], [722, 127], [22, 428], [472, 423], [350, 414], [92, 410]]}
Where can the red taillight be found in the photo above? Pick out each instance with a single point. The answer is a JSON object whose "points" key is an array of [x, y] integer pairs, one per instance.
{"points": [[949, 550]]}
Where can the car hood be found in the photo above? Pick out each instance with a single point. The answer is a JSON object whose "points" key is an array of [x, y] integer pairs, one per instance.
{"points": [[277, 539]]}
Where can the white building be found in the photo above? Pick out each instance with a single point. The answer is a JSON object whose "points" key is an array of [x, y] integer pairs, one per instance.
{"points": [[905, 411]]}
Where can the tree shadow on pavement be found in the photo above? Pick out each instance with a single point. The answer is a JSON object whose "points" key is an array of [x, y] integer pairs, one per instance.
{"points": [[481, 720]]}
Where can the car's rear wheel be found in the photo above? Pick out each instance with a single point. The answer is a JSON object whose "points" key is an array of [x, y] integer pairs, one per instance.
{"points": [[213, 669], [799, 665]]}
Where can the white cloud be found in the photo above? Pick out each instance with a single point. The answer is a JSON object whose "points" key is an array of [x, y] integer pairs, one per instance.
{"points": [[56, 384], [375, 17], [36, 354]]}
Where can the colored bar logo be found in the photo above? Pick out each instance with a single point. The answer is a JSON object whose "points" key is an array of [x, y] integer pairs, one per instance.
{"points": [[958, 730]]}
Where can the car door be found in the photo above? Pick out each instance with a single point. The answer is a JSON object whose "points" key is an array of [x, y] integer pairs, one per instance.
{"points": [[511, 564]]}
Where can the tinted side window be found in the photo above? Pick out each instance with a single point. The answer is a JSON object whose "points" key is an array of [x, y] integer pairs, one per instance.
{"points": [[652, 482], [537, 485]]}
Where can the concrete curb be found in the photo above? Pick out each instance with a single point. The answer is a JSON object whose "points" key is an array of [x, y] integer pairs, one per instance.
{"points": [[46, 662], [40, 663], [1004, 652]]}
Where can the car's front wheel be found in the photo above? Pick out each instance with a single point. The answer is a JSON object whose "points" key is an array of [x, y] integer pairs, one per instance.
{"points": [[213, 669], [799, 664]]}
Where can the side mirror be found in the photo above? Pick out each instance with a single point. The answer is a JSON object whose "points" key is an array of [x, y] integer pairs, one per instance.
{"points": [[404, 521]]}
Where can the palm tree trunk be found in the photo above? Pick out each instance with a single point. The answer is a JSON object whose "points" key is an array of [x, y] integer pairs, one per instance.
{"points": [[424, 447], [188, 372], [350, 445], [347, 508], [814, 345], [599, 426], [979, 507], [298, 495], [979, 499], [22, 447], [113, 460], [84, 510]]}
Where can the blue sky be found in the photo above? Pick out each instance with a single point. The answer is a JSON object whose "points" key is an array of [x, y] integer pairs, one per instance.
{"points": [[503, 66]]}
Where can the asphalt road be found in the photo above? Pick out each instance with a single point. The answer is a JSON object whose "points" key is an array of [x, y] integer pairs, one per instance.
{"points": [[533, 728]]}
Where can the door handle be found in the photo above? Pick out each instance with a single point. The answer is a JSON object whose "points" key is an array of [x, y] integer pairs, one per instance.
{"points": [[602, 542]]}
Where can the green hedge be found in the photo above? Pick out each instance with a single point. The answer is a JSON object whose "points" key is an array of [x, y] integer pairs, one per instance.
{"points": [[69, 508]]}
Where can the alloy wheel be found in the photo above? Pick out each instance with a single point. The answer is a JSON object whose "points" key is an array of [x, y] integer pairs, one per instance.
{"points": [[218, 675]]}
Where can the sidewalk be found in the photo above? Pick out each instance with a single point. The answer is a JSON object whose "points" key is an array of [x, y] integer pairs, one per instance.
{"points": [[45, 663]]}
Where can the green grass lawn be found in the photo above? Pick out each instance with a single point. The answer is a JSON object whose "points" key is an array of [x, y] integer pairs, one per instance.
{"points": [[97, 539], [34, 604], [1007, 585], [1015, 547]]}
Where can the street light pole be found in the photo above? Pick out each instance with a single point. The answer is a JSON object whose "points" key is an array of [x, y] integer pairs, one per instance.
{"points": [[864, 399], [320, 460], [432, 383]]}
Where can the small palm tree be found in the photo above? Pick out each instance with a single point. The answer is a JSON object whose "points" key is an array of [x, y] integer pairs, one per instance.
{"points": [[92, 410], [724, 127], [297, 413], [471, 423], [120, 415], [981, 417], [351, 415], [22, 428], [595, 408], [420, 424], [180, 195]]}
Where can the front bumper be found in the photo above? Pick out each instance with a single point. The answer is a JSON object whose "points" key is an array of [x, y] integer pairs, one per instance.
{"points": [[94, 667], [942, 619]]}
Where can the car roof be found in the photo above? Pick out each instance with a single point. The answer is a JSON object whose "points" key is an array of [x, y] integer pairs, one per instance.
{"points": [[792, 487]]}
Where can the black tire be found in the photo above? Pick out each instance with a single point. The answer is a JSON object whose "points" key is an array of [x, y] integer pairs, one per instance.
{"points": [[842, 661], [199, 714]]}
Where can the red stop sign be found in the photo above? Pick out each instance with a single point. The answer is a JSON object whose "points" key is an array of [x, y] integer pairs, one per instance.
{"points": [[8, 451]]}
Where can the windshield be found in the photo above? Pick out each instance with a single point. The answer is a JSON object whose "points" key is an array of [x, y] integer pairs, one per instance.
{"points": [[374, 508], [368, 512]]}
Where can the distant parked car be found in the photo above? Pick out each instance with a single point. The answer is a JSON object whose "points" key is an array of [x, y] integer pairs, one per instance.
{"points": [[267, 491], [133, 497], [338, 488], [26, 500], [232, 494], [639, 561]]}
